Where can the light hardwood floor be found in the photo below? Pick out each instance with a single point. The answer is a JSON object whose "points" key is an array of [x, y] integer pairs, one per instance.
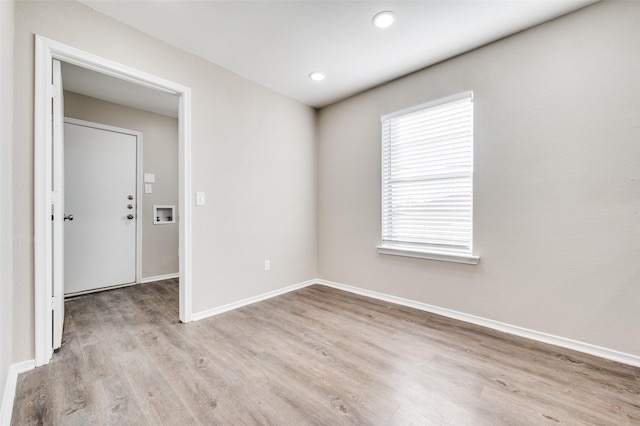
{"points": [[317, 356]]}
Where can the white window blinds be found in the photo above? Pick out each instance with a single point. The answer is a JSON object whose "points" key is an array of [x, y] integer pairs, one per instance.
{"points": [[427, 177]]}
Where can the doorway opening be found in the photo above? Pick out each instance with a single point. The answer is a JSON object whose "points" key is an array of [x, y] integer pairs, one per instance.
{"points": [[49, 300]]}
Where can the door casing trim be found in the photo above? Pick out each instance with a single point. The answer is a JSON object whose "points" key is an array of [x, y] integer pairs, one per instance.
{"points": [[45, 51]]}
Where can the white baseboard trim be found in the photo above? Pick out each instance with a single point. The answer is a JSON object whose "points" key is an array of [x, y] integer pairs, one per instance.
{"points": [[113, 287], [6, 409], [159, 278], [496, 325], [562, 342], [234, 305]]}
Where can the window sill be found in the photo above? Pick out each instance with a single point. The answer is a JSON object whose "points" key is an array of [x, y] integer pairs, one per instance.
{"points": [[432, 255]]}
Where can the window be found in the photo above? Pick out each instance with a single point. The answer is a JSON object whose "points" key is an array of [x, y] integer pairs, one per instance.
{"points": [[427, 181]]}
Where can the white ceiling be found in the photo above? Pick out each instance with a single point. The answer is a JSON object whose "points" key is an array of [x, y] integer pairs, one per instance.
{"points": [[278, 43]]}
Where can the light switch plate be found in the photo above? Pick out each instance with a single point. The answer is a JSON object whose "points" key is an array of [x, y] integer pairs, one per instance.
{"points": [[200, 199], [148, 188], [149, 178]]}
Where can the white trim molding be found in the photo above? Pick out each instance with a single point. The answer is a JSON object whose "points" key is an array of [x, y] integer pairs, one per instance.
{"points": [[431, 255], [251, 300], [539, 336], [6, 409], [142, 281], [47, 50], [159, 278], [185, 203]]}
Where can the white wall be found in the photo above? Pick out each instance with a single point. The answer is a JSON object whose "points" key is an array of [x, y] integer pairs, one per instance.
{"points": [[557, 182], [253, 153], [6, 136], [159, 156]]}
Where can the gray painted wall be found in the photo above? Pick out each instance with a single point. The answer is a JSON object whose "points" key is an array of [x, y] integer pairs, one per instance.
{"points": [[159, 156], [6, 240], [557, 182]]}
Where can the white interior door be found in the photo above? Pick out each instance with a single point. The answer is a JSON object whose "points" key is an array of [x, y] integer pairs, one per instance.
{"points": [[100, 194]]}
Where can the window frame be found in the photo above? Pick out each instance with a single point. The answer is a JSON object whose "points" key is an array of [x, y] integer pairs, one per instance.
{"points": [[424, 250]]}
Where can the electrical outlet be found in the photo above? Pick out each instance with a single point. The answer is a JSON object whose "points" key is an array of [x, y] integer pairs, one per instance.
{"points": [[267, 265]]}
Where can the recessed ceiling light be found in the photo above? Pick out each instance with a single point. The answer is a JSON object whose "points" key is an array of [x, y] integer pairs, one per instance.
{"points": [[384, 19], [317, 76]]}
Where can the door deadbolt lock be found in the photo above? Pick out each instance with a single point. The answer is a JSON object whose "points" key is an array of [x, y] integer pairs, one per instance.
{"points": [[129, 216], [130, 197]]}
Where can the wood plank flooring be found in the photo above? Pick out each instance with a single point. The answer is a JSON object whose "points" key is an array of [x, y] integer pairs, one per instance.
{"points": [[317, 356]]}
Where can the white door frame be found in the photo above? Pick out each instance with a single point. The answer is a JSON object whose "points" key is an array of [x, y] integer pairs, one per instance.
{"points": [[46, 51], [57, 209], [138, 211]]}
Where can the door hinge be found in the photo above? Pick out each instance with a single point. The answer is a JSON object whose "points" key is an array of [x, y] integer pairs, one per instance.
{"points": [[54, 302], [55, 91]]}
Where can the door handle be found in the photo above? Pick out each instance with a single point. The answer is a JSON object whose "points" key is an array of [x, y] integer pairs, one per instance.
{"points": [[68, 217], [129, 216]]}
